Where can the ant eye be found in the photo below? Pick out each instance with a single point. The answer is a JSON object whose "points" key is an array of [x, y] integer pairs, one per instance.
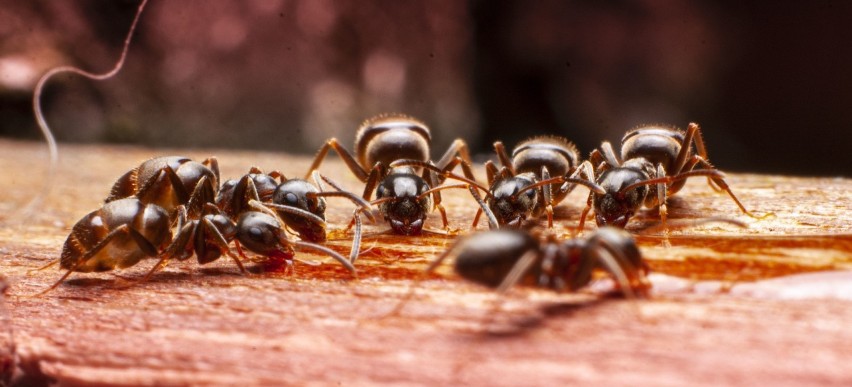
{"points": [[530, 193], [257, 234], [291, 198]]}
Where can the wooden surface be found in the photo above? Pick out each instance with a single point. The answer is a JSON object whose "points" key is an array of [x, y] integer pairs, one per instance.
{"points": [[767, 304]]}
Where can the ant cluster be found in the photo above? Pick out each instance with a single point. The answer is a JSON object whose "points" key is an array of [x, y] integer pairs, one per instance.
{"points": [[176, 208]]}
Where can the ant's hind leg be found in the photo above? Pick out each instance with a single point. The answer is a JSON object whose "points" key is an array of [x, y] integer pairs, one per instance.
{"points": [[701, 163], [347, 158], [457, 149], [503, 156]]}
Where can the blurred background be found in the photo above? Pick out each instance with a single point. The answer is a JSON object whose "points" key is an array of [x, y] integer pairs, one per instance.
{"points": [[770, 83]]}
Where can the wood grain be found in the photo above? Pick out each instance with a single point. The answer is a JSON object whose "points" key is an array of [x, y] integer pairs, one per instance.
{"points": [[766, 304]]}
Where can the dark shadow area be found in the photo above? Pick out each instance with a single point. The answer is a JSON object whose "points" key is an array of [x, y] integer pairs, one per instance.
{"points": [[768, 83]]}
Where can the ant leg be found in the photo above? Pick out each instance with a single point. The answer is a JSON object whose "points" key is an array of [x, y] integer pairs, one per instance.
{"points": [[491, 172], [704, 164], [120, 230], [278, 176], [221, 242], [693, 136], [48, 266], [548, 197], [429, 269], [584, 214], [431, 179], [609, 155], [183, 238], [503, 156], [492, 220], [344, 154], [213, 163], [372, 181], [476, 219], [661, 196], [518, 271], [204, 192], [618, 263], [458, 149]]}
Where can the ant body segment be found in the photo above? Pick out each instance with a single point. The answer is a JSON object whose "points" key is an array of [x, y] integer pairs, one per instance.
{"points": [[169, 182], [656, 163], [404, 197]]}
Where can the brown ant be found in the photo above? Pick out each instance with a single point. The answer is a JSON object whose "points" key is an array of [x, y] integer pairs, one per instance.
{"points": [[404, 197], [169, 182], [300, 204], [523, 187], [123, 231], [503, 258], [656, 162]]}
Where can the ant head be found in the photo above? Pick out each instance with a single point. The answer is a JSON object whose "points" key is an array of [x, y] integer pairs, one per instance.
{"points": [[402, 203], [262, 234], [510, 202], [300, 194], [618, 205]]}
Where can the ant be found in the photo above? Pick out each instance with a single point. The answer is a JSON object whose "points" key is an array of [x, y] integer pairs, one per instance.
{"points": [[404, 197], [123, 231], [503, 258], [523, 187], [169, 182], [300, 204], [656, 162]]}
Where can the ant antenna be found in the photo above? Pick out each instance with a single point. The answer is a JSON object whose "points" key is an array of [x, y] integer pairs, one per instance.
{"points": [[36, 201]]}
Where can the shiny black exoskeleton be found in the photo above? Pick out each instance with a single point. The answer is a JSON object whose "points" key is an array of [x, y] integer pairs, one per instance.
{"points": [[404, 197], [541, 172], [503, 258], [656, 162]]}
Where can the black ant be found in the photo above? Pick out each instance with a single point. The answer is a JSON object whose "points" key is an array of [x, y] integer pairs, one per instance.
{"points": [[404, 197], [123, 231], [169, 182], [300, 204], [656, 163], [523, 187], [503, 258]]}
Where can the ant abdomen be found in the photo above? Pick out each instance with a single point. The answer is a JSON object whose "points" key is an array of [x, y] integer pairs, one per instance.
{"points": [[487, 258], [103, 239]]}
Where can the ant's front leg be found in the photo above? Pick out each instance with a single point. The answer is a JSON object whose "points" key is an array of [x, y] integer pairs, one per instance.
{"points": [[431, 179], [547, 194]]}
